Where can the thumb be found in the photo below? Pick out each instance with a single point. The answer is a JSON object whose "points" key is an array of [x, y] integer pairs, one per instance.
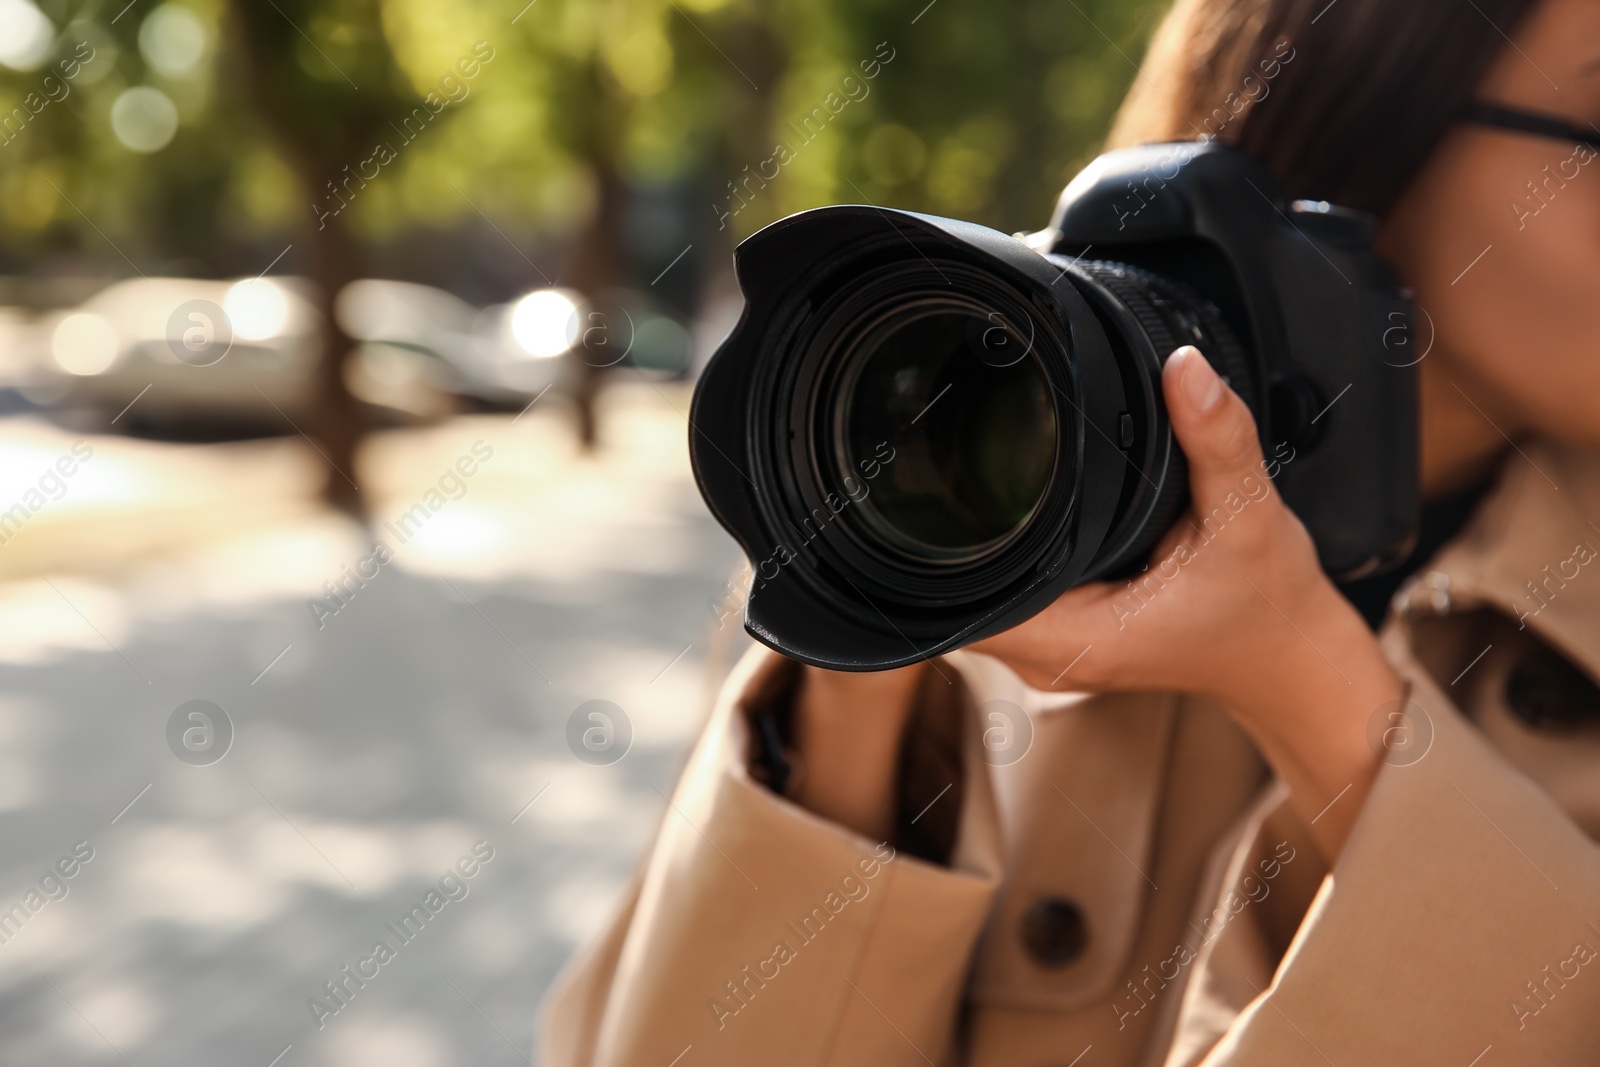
{"points": [[1213, 424]]}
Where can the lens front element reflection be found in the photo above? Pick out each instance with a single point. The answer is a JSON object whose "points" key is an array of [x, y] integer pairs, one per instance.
{"points": [[974, 436]]}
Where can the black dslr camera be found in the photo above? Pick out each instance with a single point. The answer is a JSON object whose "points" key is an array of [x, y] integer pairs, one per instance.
{"points": [[923, 431]]}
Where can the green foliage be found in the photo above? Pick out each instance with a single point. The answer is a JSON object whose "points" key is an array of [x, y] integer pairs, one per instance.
{"points": [[983, 111]]}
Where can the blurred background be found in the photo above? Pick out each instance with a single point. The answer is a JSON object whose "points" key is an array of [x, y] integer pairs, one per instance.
{"points": [[345, 351]]}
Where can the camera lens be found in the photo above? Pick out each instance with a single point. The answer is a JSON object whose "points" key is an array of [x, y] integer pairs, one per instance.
{"points": [[969, 414], [923, 431]]}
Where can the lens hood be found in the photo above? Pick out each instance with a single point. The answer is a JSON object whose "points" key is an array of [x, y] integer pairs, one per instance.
{"points": [[818, 592]]}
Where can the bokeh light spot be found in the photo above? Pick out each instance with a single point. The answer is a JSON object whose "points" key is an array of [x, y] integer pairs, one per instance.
{"points": [[545, 323], [84, 344], [25, 35], [173, 40], [256, 308], [144, 119]]}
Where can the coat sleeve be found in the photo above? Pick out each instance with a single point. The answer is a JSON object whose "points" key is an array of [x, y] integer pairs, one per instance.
{"points": [[760, 933], [1461, 924]]}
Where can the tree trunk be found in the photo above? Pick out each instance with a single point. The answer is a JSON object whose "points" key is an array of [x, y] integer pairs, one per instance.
{"points": [[599, 263], [599, 266], [338, 421]]}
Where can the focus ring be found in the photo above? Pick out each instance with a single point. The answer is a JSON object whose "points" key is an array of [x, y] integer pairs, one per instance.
{"points": [[1170, 315], [1209, 333]]}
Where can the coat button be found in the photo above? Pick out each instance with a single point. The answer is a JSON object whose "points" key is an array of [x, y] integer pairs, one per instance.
{"points": [[1054, 932]]}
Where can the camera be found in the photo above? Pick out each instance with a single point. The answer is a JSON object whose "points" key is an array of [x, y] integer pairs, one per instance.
{"points": [[922, 431]]}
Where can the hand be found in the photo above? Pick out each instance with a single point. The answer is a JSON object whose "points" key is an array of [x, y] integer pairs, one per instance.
{"points": [[1233, 606]]}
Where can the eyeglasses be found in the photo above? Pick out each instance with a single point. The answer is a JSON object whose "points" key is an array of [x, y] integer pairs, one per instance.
{"points": [[1479, 113]]}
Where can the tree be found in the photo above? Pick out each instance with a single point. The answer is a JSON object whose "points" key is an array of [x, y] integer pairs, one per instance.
{"points": [[300, 61], [343, 124], [983, 112]]}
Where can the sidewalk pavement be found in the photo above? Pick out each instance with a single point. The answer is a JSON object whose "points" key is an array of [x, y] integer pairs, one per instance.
{"points": [[410, 728]]}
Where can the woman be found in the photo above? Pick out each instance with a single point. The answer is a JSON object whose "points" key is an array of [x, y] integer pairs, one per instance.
{"points": [[1248, 829]]}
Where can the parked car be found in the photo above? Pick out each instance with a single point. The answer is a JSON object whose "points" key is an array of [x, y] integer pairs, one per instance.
{"points": [[184, 350], [239, 357], [412, 333]]}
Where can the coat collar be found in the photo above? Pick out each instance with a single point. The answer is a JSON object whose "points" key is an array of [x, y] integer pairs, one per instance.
{"points": [[1531, 551]]}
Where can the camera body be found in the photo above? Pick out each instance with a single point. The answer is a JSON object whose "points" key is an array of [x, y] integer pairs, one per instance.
{"points": [[1326, 326], [1149, 248]]}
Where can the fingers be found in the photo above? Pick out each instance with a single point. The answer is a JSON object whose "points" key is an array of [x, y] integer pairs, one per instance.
{"points": [[1215, 428]]}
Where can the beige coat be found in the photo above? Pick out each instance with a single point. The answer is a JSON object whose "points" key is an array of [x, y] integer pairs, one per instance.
{"points": [[1135, 890]]}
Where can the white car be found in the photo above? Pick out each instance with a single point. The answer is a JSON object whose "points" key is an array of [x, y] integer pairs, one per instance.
{"points": [[241, 356], [409, 332], [185, 349]]}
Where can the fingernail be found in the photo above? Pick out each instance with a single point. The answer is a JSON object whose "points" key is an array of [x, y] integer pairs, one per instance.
{"points": [[1200, 383]]}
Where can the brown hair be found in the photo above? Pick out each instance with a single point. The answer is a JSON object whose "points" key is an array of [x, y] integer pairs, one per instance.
{"points": [[1342, 100]]}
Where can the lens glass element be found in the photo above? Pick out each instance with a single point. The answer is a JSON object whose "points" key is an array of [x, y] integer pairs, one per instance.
{"points": [[965, 406]]}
